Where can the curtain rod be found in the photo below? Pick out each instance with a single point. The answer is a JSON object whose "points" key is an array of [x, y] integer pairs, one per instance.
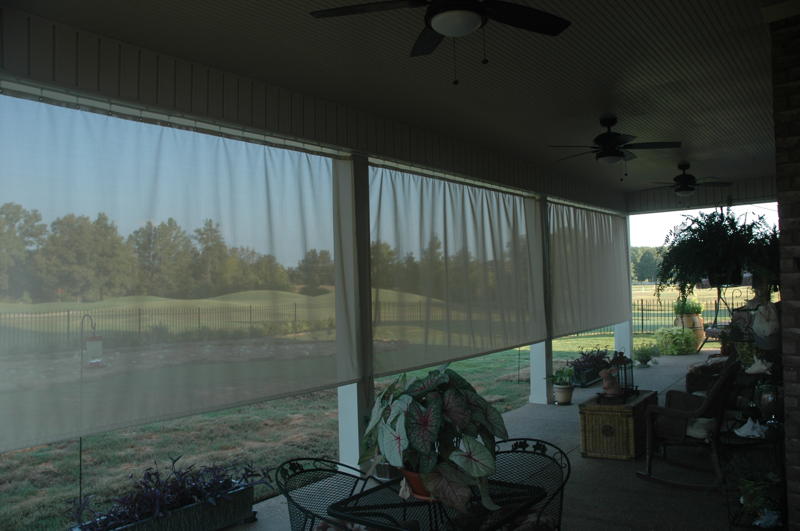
{"points": [[460, 179]]}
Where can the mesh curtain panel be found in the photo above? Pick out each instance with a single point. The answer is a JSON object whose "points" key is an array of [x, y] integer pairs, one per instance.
{"points": [[148, 273], [589, 269], [456, 271]]}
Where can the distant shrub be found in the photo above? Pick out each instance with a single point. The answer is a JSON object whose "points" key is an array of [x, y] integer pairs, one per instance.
{"points": [[687, 306], [644, 353], [313, 291], [675, 341]]}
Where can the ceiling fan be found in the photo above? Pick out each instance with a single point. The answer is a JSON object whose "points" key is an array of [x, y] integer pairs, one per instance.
{"points": [[457, 18], [613, 147], [684, 184]]}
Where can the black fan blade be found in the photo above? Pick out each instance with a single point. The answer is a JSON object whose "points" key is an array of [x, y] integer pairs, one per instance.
{"points": [[662, 184], [575, 155], [624, 139], [652, 145], [370, 7], [718, 184], [427, 42], [584, 147], [525, 17]]}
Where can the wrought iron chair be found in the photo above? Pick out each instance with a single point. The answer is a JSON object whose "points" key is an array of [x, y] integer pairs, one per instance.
{"points": [[312, 485], [667, 426], [539, 463]]}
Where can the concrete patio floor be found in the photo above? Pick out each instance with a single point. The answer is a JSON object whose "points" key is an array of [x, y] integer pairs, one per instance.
{"points": [[602, 494]]}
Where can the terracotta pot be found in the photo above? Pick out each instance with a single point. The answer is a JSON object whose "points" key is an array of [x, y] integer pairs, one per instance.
{"points": [[562, 394], [414, 480], [694, 322]]}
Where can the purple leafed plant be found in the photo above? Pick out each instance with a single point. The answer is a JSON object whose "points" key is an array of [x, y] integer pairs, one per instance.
{"points": [[160, 491]]}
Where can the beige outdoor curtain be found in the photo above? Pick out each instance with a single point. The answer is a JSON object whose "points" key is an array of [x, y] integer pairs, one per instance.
{"points": [[456, 270], [206, 266], [589, 269]]}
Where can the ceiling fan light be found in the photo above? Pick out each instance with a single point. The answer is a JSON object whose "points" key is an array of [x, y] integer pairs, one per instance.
{"points": [[684, 191], [456, 22], [610, 158]]}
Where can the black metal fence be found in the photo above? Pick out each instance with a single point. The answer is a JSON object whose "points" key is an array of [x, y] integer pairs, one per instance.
{"points": [[58, 330]]}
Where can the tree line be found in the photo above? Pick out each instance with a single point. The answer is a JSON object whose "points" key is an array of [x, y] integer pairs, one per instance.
{"points": [[77, 258]]}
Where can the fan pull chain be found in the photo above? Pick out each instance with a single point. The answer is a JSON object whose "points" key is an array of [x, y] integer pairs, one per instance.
{"points": [[455, 70], [622, 179], [483, 33]]}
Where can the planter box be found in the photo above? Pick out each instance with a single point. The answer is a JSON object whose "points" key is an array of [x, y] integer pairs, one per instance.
{"points": [[237, 509], [586, 377], [693, 322], [615, 431]]}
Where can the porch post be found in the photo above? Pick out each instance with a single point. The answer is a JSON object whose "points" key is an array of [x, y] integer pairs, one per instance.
{"points": [[541, 364], [541, 357], [623, 332], [353, 300], [623, 338]]}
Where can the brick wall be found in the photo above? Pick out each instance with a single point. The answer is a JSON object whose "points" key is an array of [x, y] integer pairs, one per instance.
{"points": [[786, 90]]}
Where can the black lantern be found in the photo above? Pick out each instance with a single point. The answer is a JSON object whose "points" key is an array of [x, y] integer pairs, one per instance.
{"points": [[624, 375]]}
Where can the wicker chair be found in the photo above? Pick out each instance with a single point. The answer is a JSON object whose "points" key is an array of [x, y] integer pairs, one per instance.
{"points": [[667, 426], [540, 463], [312, 485]]}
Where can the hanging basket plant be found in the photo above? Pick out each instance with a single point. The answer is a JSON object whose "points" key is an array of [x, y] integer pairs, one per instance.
{"points": [[716, 246]]}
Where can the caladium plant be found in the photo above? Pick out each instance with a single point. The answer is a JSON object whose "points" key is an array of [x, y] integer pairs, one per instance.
{"points": [[440, 427]]}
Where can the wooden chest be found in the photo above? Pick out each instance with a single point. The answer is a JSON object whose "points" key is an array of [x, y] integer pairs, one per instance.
{"points": [[615, 431]]}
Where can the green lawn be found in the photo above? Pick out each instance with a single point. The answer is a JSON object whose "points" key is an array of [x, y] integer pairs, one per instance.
{"points": [[37, 483]]}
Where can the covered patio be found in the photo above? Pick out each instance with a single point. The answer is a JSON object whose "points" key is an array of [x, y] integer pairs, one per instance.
{"points": [[422, 198], [602, 494]]}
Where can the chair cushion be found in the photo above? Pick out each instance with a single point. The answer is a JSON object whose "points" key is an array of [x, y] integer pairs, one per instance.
{"points": [[701, 428]]}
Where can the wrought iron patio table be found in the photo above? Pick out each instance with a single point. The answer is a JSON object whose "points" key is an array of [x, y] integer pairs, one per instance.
{"points": [[382, 507]]}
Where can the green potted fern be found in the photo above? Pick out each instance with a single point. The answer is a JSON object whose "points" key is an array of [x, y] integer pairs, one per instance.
{"points": [[439, 433], [562, 385]]}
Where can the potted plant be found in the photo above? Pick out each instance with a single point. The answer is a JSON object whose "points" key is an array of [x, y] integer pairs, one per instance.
{"points": [[688, 314], [645, 354], [562, 385], [178, 499], [586, 368], [439, 433]]}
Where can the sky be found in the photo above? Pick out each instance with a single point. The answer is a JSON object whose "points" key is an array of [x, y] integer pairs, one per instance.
{"points": [[650, 230], [63, 161]]}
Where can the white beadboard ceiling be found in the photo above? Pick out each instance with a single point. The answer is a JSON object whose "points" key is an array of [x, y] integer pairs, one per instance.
{"points": [[697, 71]]}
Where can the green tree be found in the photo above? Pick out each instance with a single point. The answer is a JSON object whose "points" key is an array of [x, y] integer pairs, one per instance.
{"points": [[647, 266], [83, 260], [212, 256], [164, 253], [270, 274], [431, 269], [315, 269], [383, 268], [21, 233]]}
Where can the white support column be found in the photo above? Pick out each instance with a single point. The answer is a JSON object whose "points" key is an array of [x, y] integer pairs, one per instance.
{"points": [[623, 332], [349, 424], [541, 365], [353, 300], [623, 338]]}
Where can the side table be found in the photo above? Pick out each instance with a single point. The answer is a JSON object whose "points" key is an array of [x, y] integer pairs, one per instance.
{"points": [[615, 431]]}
